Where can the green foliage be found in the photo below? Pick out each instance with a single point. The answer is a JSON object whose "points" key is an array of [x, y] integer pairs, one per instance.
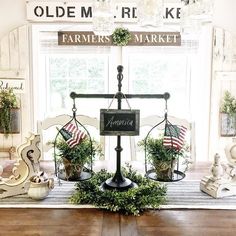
{"points": [[121, 37], [80, 154], [157, 151], [8, 101], [228, 104], [133, 201]]}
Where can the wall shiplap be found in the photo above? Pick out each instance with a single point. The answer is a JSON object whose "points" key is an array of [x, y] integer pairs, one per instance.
{"points": [[14, 64], [223, 78], [4, 55]]}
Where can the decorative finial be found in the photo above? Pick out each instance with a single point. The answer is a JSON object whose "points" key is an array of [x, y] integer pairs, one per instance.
{"points": [[217, 169], [120, 68]]}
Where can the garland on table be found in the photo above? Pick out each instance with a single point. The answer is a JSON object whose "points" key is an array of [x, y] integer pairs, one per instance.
{"points": [[121, 37], [133, 201]]}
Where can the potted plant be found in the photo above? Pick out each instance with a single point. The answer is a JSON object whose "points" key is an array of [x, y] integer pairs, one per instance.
{"points": [[162, 159], [228, 115], [74, 159], [9, 112]]}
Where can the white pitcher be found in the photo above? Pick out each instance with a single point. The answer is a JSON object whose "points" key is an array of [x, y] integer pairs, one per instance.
{"points": [[39, 191]]}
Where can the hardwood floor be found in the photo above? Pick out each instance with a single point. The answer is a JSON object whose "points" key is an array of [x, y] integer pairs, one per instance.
{"points": [[94, 222]]}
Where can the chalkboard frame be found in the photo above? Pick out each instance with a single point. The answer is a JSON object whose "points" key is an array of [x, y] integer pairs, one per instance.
{"points": [[134, 113]]}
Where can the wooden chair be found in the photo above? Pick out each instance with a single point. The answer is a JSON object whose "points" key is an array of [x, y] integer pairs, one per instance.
{"points": [[47, 131]]}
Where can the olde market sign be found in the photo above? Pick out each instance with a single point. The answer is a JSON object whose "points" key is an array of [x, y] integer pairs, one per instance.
{"points": [[137, 38], [82, 11]]}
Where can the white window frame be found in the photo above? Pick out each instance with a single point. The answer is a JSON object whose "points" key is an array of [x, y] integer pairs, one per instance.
{"points": [[199, 99]]}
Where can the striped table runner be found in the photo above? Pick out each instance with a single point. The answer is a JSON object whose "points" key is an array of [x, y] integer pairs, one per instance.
{"points": [[183, 194]]}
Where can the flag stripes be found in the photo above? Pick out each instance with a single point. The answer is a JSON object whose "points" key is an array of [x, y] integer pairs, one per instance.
{"points": [[76, 135], [174, 136]]}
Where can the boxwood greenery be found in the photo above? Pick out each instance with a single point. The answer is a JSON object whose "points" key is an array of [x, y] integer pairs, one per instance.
{"points": [[148, 194], [121, 37]]}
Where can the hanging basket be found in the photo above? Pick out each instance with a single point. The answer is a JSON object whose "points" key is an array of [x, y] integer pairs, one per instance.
{"points": [[162, 152], [73, 151]]}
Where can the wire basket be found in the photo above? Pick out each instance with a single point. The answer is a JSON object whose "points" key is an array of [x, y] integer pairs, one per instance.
{"points": [[73, 151], [163, 153]]}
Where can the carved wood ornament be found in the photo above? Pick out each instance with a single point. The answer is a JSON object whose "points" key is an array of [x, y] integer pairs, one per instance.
{"points": [[25, 167]]}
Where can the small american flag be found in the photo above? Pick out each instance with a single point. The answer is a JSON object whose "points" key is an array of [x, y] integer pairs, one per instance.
{"points": [[174, 136], [72, 135]]}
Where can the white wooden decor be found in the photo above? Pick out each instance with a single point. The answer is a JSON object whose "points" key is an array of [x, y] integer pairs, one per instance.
{"points": [[14, 73], [222, 182], [26, 166], [82, 11]]}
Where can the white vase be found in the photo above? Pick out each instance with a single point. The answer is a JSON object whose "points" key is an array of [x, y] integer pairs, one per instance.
{"points": [[39, 191], [230, 152]]}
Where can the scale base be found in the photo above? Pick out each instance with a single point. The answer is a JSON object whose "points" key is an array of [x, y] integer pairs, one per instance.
{"points": [[177, 176], [124, 185], [83, 176]]}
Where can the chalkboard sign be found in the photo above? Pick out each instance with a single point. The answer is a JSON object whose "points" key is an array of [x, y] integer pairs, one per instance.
{"points": [[119, 122]]}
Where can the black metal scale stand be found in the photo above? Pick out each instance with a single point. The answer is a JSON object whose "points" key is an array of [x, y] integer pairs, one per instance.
{"points": [[118, 181]]}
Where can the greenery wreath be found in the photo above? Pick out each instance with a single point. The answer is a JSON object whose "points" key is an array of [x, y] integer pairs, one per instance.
{"points": [[121, 36], [148, 194]]}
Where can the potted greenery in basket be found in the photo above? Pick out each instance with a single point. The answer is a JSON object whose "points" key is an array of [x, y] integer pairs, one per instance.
{"points": [[228, 115], [74, 159], [9, 112], [163, 159]]}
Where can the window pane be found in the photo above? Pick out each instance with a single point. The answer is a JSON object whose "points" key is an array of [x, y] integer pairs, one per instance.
{"points": [[157, 74], [79, 73]]}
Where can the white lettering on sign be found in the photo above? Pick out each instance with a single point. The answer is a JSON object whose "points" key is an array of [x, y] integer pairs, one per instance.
{"points": [[124, 122], [84, 39], [43, 11], [137, 38], [17, 85], [155, 38]]}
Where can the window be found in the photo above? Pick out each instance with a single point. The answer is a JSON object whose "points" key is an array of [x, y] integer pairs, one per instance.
{"points": [[81, 73], [158, 73], [90, 69]]}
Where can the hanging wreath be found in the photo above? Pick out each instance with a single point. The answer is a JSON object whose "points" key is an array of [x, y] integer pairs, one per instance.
{"points": [[121, 37]]}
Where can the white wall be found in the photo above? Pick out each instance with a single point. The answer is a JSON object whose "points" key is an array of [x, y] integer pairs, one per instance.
{"points": [[224, 15], [12, 15], [14, 62], [224, 18]]}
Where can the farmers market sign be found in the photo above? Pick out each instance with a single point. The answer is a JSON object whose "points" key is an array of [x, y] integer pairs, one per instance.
{"points": [[137, 38]]}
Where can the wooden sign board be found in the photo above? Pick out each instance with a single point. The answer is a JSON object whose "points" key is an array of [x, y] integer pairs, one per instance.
{"points": [[82, 11], [18, 85], [119, 122], [137, 39]]}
